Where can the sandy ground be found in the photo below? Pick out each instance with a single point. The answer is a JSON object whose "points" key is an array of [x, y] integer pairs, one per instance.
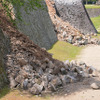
{"points": [[74, 91], [82, 90], [91, 56]]}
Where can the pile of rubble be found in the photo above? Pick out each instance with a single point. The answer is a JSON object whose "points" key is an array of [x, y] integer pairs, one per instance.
{"points": [[41, 76], [33, 69], [65, 32]]}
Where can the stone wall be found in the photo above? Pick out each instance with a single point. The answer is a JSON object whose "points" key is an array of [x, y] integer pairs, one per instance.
{"points": [[3, 51], [75, 13], [38, 26], [94, 12]]}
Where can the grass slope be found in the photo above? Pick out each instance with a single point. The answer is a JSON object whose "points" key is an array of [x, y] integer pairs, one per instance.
{"points": [[96, 22], [92, 6], [64, 51]]}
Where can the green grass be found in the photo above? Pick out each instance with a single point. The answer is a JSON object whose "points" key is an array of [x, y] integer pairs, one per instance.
{"points": [[96, 22], [64, 51], [92, 6], [4, 91]]}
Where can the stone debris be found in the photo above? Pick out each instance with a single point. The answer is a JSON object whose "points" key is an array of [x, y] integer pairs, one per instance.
{"points": [[65, 32], [41, 75], [33, 69], [94, 86]]}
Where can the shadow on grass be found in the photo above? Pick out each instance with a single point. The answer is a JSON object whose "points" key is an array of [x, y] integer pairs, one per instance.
{"points": [[4, 91], [62, 51]]}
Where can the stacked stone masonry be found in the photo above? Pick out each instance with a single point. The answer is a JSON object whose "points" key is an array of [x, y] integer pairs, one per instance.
{"points": [[75, 13]]}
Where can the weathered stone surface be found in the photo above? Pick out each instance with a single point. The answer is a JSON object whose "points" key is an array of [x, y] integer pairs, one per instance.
{"points": [[75, 13], [3, 51], [94, 86], [38, 27]]}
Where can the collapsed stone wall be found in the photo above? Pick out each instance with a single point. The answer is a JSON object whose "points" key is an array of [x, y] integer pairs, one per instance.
{"points": [[38, 26], [66, 32], [31, 68], [3, 52], [75, 13], [94, 12]]}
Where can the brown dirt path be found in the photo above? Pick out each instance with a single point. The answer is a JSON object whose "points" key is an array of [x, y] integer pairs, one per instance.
{"points": [[91, 56]]}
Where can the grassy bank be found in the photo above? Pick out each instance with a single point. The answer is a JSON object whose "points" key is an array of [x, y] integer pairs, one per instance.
{"points": [[96, 22], [92, 6], [64, 51]]}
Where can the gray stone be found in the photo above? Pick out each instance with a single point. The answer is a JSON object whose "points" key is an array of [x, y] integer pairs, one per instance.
{"points": [[63, 71], [95, 73], [56, 82], [39, 87], [19, 78], [70, 38], [13, 83], [73, 63], [40, 71], [76, 69], [45, 80], [50, 64], [40, 30], [90, 70], [98, 43], [25, 83], [71, 78], [81, 63], [4, 50], [22, 61], [38, 80], [64, 34], [33, 90], [27, 68], [65, 79], [74, 12], [50, 71], [85, 75], [56, 70], [50, 77], [79, 38], [51, 87], [94, 86], [67, 62]]}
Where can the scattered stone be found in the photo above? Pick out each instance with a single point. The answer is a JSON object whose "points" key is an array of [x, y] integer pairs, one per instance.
{"points": [[33, 69], [22, 61], [63, 71], [12, 82], [94, 86], [67, 62], [56, 82], [81, 63], [33, 90], [90, 70], [25, 83], [95, 73], [39, 87]]}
